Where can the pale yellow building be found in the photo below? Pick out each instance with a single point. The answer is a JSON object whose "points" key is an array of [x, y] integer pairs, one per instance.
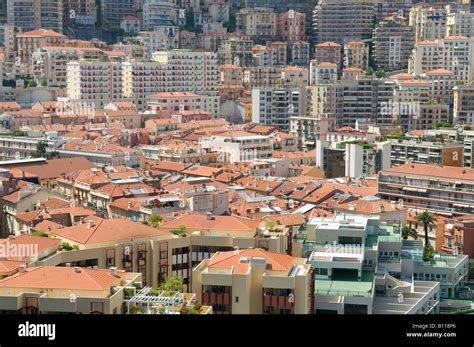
{"points": [[254, 281]]}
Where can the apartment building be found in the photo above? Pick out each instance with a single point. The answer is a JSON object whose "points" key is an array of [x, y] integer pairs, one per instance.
{"points": [[259, 23], [282, 51], [23, 147], [443, 82], [263, 77], [275, 106], [342, 22], [170, 102], [295, 76], [428, 21], [35, 14], [328, 52], [237, 51], [231, 75], [445, 190], [322, 73], [114, 10], [356, 54], [300, 52], [157, 13], [163, 38], [30, 41], [264, 56], [393, 40], [158, 254], [66, 290], [460, 24], [363, 159], [365, 98], [254, 281], [409, 101], [463, 108], [458, 53], [141, 79], [358, 268], [52, 62], [98, 82], [195, 72], [426, 56], [291, 26], [238, 146], [426, 152]]}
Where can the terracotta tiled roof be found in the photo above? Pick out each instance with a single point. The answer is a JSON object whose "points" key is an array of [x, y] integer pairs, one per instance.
{"points": [[62, 277], [433, 171], [275, 261], [107, 230]]}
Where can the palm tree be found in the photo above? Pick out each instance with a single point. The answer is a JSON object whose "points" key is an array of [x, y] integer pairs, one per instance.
{"points": [[409, 232], [426, 218]]}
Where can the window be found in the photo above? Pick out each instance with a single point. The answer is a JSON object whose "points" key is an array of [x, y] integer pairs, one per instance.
{"points": [[236, 299]]}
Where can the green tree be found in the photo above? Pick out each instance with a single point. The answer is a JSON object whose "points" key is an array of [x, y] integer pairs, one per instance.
{"points": [[31, 83], [409, 232], [380, 73], [41, 150], [174, 284], [427, 219], [180, 230], [155, 220]]}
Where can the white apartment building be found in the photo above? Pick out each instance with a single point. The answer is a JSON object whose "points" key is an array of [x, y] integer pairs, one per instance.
{"points": [[460, 24], [322, 73], [192, 71], [142, 78], [458, 55], [275, 106], [51, 63], [238, 146], [359, 268], [454, 53], [99, 82], [163, 38], [157, 13], [366, 159]]}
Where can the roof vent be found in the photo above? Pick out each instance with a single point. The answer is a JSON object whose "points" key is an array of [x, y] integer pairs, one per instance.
{"points": [[90, 223], [113, 271], [77, 269], [22, 268]]}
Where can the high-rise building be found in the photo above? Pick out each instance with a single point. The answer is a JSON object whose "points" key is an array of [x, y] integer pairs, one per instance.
{"points": [[343, 21], [259, 23], [36, 14], [393, 42], [464, 104], [275, 106], [192, 71], [157, 13], [356, 54], [114, 10]]}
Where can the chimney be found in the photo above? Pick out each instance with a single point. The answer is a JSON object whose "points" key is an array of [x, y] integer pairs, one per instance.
{"points": [[81, 221], [210, 216], [129, 205], [22, 268], [68, 264], [113, 271], [90, 223], [77, 269]]}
